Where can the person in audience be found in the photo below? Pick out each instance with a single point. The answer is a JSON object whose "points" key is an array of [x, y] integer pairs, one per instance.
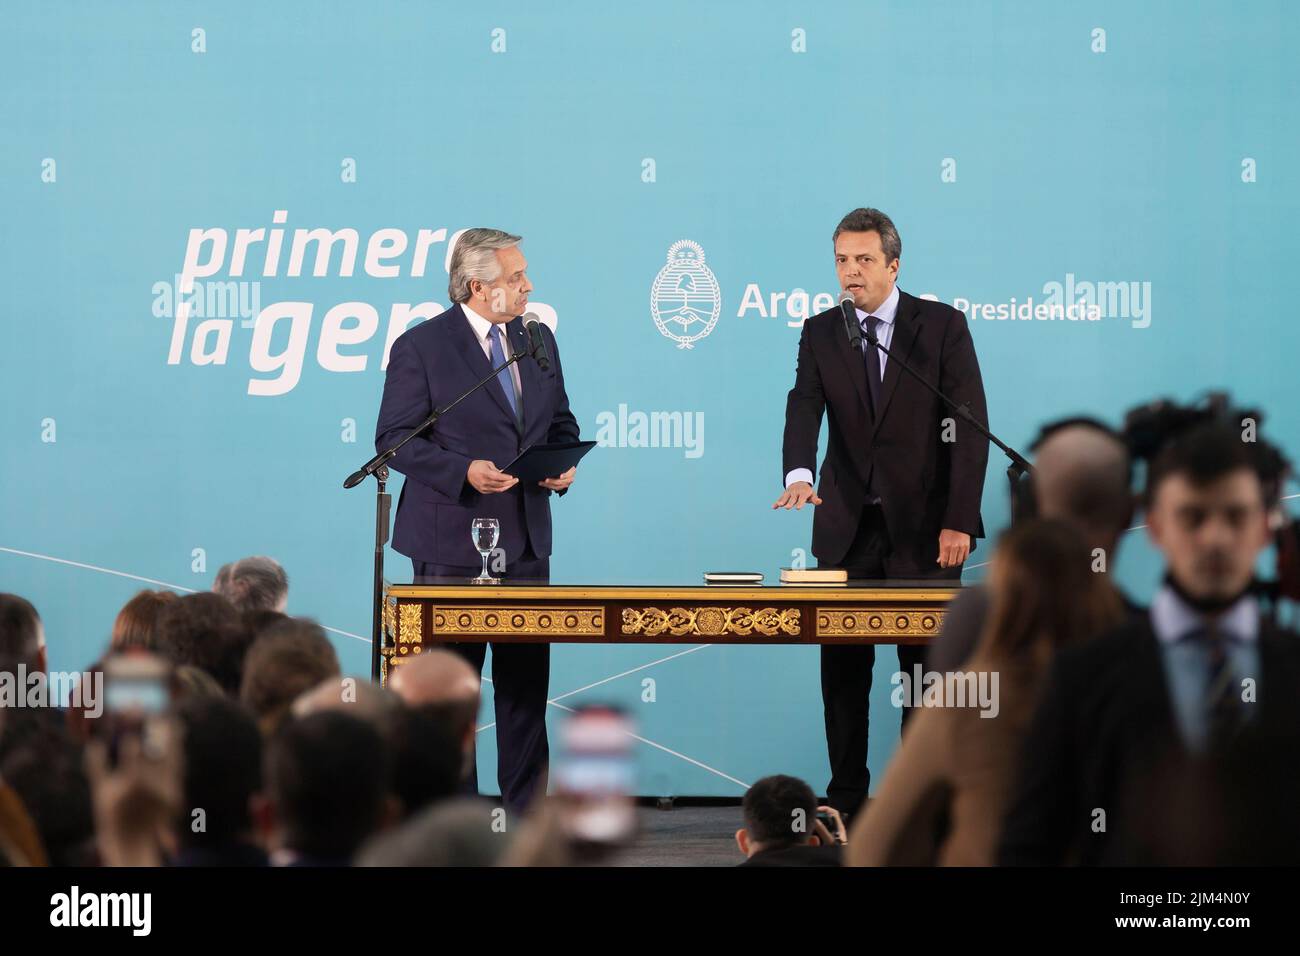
{"points": [[462, 832], [1082, 475], [944, 792], [326, 789], [205, 631], [1193, 681], [254, 584], [288, 659], [427, 757], [781, 826], [222, 776], [446, 687], [22, 636], [137, 622]]}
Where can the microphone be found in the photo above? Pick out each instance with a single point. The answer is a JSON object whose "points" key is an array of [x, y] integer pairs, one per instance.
{"points": [[850, 315], [536, 341]]}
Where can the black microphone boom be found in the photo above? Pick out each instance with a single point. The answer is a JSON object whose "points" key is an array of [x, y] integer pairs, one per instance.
{"points": [[536, 341], [850, 315]]}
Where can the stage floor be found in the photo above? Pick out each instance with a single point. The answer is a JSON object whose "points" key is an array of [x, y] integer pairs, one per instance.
{"points": [[685, 836]]}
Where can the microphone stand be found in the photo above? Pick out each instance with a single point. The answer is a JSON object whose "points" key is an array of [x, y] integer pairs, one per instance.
{"points": [[378, 466], [1018, 467]]}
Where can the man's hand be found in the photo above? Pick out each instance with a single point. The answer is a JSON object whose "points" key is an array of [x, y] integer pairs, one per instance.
{"points": [[840, 836], [799, 493], [560, 482], [485, 477], [954, 547]]}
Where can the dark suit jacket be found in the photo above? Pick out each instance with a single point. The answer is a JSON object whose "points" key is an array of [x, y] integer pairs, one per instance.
{"points": [[925, 484], [801, 855], [1105, 725], [431, 365]]}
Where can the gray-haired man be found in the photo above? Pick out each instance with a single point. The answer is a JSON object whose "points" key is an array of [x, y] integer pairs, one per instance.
{"points": [[453, 475]]}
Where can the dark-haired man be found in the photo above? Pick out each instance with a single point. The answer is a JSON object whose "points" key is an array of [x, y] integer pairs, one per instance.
{"points": [[900, 488], [781, 826], [1198, 677]]}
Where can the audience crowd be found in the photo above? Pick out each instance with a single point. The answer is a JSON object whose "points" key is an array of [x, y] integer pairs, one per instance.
{"points": [[226, 733]]}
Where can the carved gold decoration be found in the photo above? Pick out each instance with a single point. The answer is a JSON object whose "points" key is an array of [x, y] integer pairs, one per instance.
{"points": [[390, 620], [412, 626], [879, 622], [710, 621], [540, 621]]}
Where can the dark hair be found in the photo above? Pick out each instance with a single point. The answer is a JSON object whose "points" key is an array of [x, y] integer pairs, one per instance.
{"points": [[327, 774], [1204, 454], [286, 660], [770, 807], [43, 764], [20, 632], [873, 220], [252, 584], [427, 759], [223, 769], [137, 622], [206, 631]]}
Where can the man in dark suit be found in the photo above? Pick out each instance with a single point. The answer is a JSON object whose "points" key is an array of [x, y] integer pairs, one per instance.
{"points": [[1189, 686], [900, 488], [453, 475]]}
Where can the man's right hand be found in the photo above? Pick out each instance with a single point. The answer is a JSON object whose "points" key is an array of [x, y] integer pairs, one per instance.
{"points": [[799, 493], [486, 479]]}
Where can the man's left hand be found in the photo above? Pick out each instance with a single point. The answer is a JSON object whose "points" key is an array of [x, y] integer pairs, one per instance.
{"points": [[954, 548], [561, 482]]}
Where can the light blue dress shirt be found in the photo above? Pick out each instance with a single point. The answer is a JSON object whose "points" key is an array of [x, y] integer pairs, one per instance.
{"points": [[1187, 662]]}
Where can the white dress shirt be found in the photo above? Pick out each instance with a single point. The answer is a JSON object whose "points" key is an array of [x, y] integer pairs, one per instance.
{"points": [[483, 332], [885, 333]]}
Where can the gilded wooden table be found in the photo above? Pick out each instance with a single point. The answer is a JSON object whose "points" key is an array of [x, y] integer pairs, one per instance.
{"points": [[419, 616]]}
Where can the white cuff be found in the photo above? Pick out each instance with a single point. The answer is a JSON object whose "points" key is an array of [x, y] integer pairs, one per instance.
{"points": [[798, 474]]}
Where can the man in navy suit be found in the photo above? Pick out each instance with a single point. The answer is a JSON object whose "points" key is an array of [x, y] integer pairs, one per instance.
{"points": [[452, 473]]}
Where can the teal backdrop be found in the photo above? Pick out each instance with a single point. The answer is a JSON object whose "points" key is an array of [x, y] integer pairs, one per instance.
{"points": [[1134, 162]]}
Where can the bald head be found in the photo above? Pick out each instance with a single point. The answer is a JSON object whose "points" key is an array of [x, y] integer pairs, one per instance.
{"points": [[1081, 475], [436, 677], [445, 686], [373, 704]]}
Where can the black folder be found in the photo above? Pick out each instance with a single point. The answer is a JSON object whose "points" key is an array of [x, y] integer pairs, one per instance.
{"points": [[547, 461]]}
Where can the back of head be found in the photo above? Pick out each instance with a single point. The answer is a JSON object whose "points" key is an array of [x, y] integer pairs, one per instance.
{"points": [[205, 631], [288, 659], [456, 833], [779, 811], [1044, 594], [444, 686], [21, 636], [428, 761], [137, 622], [326, 776], [223, 771], [1082, 474], [253, 584]]}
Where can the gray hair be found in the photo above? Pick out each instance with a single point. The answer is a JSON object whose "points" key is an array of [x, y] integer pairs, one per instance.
{"points": [[475, 257], [252, 584], [873, 220]]}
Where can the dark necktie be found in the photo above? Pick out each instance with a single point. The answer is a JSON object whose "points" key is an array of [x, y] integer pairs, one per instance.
{"points": [[872, 357], [1222, 691]]}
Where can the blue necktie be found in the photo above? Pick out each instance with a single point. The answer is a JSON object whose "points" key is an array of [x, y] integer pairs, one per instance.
{"points": [[504, 377]]}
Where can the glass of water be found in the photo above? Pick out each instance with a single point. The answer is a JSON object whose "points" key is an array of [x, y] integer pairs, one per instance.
{"points": [[485, 532]]}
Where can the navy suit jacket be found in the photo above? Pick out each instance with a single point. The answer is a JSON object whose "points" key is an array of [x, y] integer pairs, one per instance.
{"points": [[431, 365]]}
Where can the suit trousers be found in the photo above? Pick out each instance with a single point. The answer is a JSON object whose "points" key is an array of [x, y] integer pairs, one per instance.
{"points": [[846, 671], [521, 676]]}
